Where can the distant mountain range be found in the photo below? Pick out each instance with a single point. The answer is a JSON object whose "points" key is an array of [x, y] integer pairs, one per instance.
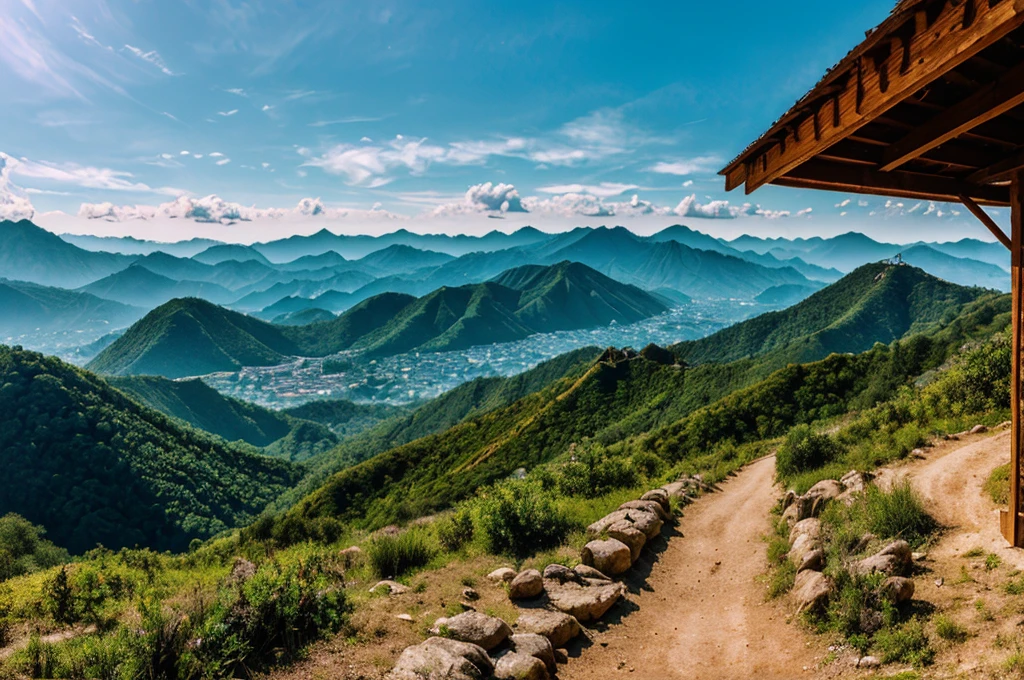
{"points": [[193, 337], [27, 307]]}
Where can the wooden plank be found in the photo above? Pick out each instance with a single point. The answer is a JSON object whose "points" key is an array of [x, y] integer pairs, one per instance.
{"points": [[1017, 272], [989, 103], [987, 220], [956, 153], [1002, 170], [940, 48], [819, 174]]}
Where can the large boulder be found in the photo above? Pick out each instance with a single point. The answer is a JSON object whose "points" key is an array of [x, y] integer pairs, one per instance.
{"points": [[516, 666], [611, 556], [813, 560], [560, 573], [535, 645], [442, 659], [586, 603], [647, 506], [528, 583], [854, 481], [647, 522], [811, 590], [628, 534], [476, 628], [559, 628], [660, 496], [811, 503], [804, 538]]}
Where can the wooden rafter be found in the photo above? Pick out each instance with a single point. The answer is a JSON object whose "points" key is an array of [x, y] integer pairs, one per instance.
{"points": [[1001, 170], [876, 81], [819, 174], [989, 103], [986, 220]]}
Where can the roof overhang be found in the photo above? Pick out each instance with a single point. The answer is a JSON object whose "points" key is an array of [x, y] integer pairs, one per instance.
{"points": [[929, 106]]}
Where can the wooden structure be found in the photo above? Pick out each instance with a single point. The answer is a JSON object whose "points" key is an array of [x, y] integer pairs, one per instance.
{"points": [[930, 106]]}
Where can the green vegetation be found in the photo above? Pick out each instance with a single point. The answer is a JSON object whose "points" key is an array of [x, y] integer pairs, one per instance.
{"points": [[190, 336], [394, 555], [93, 466], [997, 486], [803, 450], [24, 550]]}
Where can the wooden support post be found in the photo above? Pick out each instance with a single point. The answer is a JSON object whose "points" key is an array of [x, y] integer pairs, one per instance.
{"points": [[1011, 519]]}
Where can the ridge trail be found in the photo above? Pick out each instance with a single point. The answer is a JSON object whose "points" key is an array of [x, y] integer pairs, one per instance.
{"points": [[702, 610]]}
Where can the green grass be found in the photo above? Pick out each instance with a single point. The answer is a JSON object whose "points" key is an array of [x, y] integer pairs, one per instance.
{"points": [[949, 630], [898, 513], [906, 643], [395, 556], [997, 486]]}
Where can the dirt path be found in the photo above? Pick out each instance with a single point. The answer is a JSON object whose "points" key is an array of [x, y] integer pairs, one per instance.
{"points": [[702, 612]]}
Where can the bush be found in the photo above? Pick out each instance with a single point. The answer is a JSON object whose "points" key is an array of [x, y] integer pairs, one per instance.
{"points": [[58, 598], [905, 644], [898, 513], [517, 519], [997, 486], [803, 450], [455, 531], [594, 472], [393, 556], [23, 549], [948, 629]]}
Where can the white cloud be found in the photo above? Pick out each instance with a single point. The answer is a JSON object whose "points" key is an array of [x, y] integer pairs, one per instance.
{"points": [[843, 204], [692, 166], [86, 176], [265, 165], [197, 156], [481, 198], [227, 113], [183, 153], [688, 183], [215, 210], [722, 209], [86, 36], [223, 161], [266, 107], [602, 190], [216, 154], [152, 57], [14, 205], [237, 90]]}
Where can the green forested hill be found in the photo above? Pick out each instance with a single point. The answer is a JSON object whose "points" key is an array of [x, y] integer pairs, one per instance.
{"points": [[874, 303], [25, 307], [190, 337], [193, 337], [93, 466]]}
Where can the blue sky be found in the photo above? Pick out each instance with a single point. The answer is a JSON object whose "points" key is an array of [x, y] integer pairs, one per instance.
{"points": [[568, 110]]}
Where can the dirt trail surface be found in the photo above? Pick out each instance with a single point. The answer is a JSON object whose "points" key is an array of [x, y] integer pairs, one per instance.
{"points": [[702, 611]]}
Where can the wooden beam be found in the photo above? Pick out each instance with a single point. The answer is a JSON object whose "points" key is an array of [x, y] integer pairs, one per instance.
{"points": [[985, 219], [818, 174], [1010, 521], [931, 53], [989, 103], [1002, 170]]}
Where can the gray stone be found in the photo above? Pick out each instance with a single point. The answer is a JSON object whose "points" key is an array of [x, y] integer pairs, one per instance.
{"points": [[442, 659], [647, 522], [470, 594], [502, 575], [391, 587], [647, 506], [610, 556], [660, 496], [633, 538], [476, 628], [979, 429], [528, 583], [560, 573], [900, 549], [897, 589], [876, 564], [811, 590], [515, 666], [589, 572], [535, 645], [814, 560], [557, 627], [868, 662], [856, 481], [586, 603]]}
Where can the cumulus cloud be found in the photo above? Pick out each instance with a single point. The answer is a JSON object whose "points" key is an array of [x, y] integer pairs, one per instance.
{"points": [[14, 204], [152, 57], [722, 209], [483, 198], [575, 204], [215, 210], [691, 166]]}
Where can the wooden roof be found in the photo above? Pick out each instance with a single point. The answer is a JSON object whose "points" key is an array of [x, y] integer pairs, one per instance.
{"points": [[929, 106]]}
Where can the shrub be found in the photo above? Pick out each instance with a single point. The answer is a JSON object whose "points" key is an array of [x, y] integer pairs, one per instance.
{"points": [[58, 598], [23, 548], [782, 578], [997, 486], [803, 450], [906, 643], [898, 513], [455, 531], [948, 629], [594, 472], [518, 519], [393, 556]]}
